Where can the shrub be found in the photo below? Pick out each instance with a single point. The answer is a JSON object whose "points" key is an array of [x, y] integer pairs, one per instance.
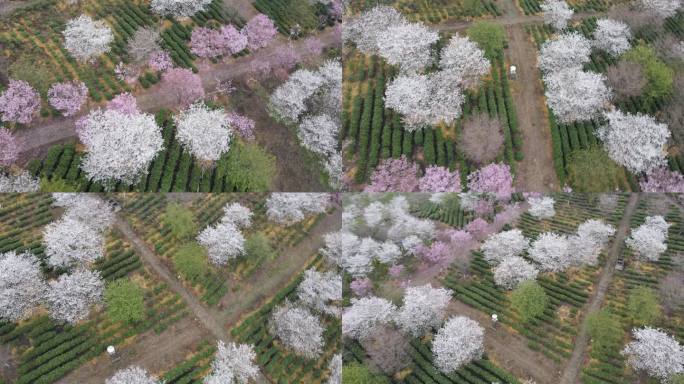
{"points": [[190, 260], [660, 77], [489, 36], [124, 301], [180, 221], [249, 168], [592, 171], [356, 373], [605, 331], [258, 247], [529, 299], [642, 306]]}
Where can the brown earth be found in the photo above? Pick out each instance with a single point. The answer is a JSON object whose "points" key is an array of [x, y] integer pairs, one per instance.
{"points": [[155, 352], [536, 171], [509, 350], [8, 365]]}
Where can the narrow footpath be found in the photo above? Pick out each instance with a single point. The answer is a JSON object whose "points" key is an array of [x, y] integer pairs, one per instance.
{"points": [[571, 373]]}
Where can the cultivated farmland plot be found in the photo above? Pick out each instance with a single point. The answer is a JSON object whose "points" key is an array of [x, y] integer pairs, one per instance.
{"points": [[459, 264], [148, 63], [163, 296], [578, 136]]}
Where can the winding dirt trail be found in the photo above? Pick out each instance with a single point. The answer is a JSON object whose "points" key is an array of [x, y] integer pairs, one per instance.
{"points": [[161, 352], [574, 365]]}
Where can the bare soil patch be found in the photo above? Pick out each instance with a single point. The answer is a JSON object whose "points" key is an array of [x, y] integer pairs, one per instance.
{"points": [[155, 352]]}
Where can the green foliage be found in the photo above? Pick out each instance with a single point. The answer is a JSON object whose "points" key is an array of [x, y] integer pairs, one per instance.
{"points": [[642, 306], [473, 7], [659, 75], [57, 185], [489, 36], [249, 168], [124, 301], [258, 247], [356, 373], [33, 72], [180, 221], [530, 300], [592, 170], [605, 331], [190, 260]]}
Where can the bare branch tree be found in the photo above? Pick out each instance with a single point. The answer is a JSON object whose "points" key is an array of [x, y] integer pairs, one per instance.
{"points": [[481, 139], [626, 79]]}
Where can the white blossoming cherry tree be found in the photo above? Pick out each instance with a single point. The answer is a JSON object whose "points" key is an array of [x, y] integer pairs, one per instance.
{"points": [[423, 309], [612, 36], [237, 214], [649, 240], [223, 241], [320, 290], [179, 8], [557, 13], [70, 242], [21, 285], [120, 147], [542, 207], [513, 271], [298, 329], [87, 39], [365, 314], [291, 208], [464, 59], [638, 142], [71, 296], [132, 375], [205, 132], [500, 246], [551, 251], [458, 342], [233, 363], [656, 353]]}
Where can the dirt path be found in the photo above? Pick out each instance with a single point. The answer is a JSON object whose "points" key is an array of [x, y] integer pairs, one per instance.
{"points": [[7, 7], [509, 350], [155, 352], [261, 286], [207, 318], [38, 138], [202, 314], [275, 274], [535, 172], [574, 365], [8, 365]]}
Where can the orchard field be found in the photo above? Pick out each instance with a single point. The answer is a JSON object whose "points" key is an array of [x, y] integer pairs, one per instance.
{"points": [[160, 62], [164, 301], [462, 280], [44, 350], [577, 136], [375, 133]]}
